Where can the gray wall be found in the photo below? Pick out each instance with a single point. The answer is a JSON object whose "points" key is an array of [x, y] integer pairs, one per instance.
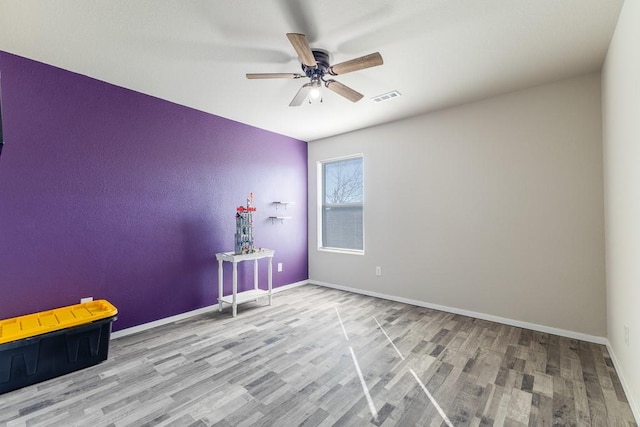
{"points": [[621, 115], [493, 208]]}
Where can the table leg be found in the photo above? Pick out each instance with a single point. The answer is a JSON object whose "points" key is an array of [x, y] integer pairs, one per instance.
{"points": [[220, 285], [269, 277], [255, 275], [235, 290]]}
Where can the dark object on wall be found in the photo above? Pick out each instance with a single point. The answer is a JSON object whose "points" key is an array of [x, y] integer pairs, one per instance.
{"points": [[1, 135], [36, 357]]}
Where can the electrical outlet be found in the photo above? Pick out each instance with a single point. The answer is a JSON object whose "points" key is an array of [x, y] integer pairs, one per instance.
{"points": [[279, 267], [87, 299], [378, 271], [626, 335]]}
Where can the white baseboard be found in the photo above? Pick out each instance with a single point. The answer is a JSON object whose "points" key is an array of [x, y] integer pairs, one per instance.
{"points": [[290, 285], [163, 321], [186, 315], [627, 391], [477, 315]]}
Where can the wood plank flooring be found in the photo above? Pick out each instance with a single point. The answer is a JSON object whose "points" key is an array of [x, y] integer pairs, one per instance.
{"points": [[323, 357]]}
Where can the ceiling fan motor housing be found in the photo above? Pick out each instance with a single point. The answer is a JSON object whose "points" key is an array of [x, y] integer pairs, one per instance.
{"points": [[322, 65]]}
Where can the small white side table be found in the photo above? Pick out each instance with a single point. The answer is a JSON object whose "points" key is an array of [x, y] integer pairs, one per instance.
{"points": [[239, 297]]}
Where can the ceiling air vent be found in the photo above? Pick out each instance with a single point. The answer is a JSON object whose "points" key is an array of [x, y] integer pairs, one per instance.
{"points": [[386, 96]]}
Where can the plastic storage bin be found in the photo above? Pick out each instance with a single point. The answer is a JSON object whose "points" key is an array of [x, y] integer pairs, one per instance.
{"points": [[41, 346]]}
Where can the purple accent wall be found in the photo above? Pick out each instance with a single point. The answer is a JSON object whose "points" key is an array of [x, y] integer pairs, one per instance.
{"points": [[110, 193]]}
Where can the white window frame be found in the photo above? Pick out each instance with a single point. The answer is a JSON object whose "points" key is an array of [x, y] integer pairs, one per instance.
{"points": [[320, 206]]}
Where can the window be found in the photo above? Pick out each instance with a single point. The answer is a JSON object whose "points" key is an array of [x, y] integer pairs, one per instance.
{"points": [[342, 224]]}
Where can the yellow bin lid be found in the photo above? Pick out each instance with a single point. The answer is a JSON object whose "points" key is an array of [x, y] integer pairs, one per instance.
{"points": [[30, 325]]}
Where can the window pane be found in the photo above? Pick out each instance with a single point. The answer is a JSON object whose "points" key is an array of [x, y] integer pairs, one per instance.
{"points": [[342, 227], [342, 207], [343, 181]]}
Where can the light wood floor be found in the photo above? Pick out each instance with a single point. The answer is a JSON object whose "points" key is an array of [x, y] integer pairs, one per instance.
{"points": [[320, 356]]}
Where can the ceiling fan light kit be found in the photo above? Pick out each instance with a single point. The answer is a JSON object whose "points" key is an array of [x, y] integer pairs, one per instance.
{"points": [[315, 65]]}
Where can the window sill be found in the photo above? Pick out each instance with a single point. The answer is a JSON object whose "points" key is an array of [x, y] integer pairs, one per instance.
{"points": [[342, 251]]}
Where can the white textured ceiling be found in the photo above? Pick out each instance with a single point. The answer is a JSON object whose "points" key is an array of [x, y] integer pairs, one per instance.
{"points": [[437, 53]]}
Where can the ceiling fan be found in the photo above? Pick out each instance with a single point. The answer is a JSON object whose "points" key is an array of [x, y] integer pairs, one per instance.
{"points": [[315, 64]]}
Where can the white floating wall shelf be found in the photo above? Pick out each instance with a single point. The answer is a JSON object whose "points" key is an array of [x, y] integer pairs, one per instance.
{"points": [[281, 218], [282, 203]]}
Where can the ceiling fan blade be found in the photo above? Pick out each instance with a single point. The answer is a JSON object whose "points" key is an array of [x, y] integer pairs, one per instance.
{"points": [[300, 96], [367, 61], [299, 16], [301, 46], [343, 90], [274, 75]]}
